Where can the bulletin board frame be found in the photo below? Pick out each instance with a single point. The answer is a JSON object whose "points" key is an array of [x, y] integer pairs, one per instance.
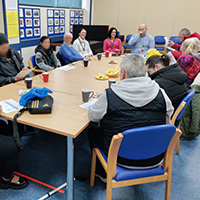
{"points": [[29, 23], [75, 18], [55, 22]]}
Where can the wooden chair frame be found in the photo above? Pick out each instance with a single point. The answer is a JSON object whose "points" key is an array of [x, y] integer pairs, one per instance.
{"points": [[110, 167], [178, 110], [34, 70]]}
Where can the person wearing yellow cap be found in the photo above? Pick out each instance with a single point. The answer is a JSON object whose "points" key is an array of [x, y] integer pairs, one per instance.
{"points": [[152, 52]]}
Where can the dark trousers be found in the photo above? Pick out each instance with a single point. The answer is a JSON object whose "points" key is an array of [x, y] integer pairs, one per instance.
{"points": [[9, 155]]}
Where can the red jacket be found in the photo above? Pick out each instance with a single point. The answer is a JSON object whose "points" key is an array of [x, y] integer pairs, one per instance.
{"points": [[177, 54]]}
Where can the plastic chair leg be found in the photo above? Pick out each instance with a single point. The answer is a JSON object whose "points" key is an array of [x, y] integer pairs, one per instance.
{"points": [[93, 168], [178, 147]]}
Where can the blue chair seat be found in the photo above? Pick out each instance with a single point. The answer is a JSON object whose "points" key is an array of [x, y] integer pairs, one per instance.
{"points": [[123, 174], [127, 47], [160, 48]]}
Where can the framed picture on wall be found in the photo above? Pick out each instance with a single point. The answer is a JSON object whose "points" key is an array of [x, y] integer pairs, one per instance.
{"points": [[28, 13], [50, 22], [29, 32], [36, 22], [22, 33], [50, 30], [50, 13], [80, 21], [72, 21], [36, 13], [62, 29], [36, 31], [28, 22], [76, 21], [71, 13], [57, 29], [62, 22], [56, 13], [76, 14], [21, 22], [21, 12], [81, 13], [62, 13], [56, 22]]}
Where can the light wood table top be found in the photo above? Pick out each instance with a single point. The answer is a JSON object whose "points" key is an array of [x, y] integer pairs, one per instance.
{"points": [[74, 80], [67, 118]]}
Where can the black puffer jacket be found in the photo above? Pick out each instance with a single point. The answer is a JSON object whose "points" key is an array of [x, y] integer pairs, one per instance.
{"points": [[9, 69], [46, 60], [173, 80]]}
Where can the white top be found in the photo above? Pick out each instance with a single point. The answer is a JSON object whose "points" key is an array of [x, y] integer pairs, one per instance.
{"points": [[83, 47]]}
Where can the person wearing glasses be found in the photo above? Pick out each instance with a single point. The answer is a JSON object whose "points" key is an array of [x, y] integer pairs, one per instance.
{"points": [[169, 77], [82, 45]]}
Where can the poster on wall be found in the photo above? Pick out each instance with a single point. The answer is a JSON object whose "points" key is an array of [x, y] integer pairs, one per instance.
{"points": [[75, 17], [29, 20], [55, 22]]}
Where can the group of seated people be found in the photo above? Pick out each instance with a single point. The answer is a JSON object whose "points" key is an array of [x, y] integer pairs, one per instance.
{"points": [[142, 99]]}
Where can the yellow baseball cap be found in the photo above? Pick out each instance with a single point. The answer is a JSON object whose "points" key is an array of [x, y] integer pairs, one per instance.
{"points": [[152, 52]]}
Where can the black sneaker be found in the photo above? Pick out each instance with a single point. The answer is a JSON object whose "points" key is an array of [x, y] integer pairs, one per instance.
{"points": [[102, 176], [22, 183]]}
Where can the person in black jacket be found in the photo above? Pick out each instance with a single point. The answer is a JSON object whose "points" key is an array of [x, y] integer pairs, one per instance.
{"points": [[169, 77], [44, 56], [11, 63]]}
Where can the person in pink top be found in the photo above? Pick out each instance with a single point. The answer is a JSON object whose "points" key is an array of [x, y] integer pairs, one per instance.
{"points": [[112, 43]]}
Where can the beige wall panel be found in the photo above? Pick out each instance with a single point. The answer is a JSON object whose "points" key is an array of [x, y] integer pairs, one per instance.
{"points": [[131, 14], [159, 16], [187, 16], [105, 12]]}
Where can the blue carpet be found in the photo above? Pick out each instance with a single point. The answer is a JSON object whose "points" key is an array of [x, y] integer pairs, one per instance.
{"points": [[44, 159]]}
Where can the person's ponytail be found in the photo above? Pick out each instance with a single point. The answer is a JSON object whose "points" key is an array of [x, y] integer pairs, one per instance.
{"points": [[165, 60]]}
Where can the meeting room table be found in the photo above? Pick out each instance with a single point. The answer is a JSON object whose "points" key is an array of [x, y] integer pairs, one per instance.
{"points": [[67, 117]]}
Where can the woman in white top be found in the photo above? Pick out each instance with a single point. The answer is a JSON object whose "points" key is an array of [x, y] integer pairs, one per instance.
{"points": [[82, 45]]}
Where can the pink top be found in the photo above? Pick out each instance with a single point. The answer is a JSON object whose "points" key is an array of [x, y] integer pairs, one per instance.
{"points": [[107, 45]]}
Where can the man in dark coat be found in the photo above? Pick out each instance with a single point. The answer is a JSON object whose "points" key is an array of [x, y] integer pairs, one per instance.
{"points": [[11, 63]]}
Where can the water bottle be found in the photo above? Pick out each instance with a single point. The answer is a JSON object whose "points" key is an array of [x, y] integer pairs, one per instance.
{"points": [[143, 51]]}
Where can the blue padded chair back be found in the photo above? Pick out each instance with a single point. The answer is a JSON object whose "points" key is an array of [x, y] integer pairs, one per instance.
{"points": [[128, 37], [159, 39], [175, 39], [32, 59], [187, 99], [146, 142], [118, 33]]}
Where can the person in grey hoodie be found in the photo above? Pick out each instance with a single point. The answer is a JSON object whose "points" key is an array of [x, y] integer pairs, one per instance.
{"points": [[136, 101], [44, 56]]}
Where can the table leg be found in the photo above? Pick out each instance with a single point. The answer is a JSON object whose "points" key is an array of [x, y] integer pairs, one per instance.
{"points": [[70, 169]]}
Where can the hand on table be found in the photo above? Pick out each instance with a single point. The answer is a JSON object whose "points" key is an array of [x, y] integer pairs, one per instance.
{"points": [[88, 57], [171, 43]]}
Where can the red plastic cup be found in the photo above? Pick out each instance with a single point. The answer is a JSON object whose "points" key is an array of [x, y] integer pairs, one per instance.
{"points": [[45, 77], [107, 54], [117, 51]]}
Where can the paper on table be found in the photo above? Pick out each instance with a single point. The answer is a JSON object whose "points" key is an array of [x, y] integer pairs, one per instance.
{"points": [[66, 68], [10, 106], [88, 104], [23, 73]]}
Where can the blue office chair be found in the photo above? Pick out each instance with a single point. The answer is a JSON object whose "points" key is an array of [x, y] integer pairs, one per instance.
{"points": [[175, 39], [180, 110], [32, 65], [159, 40], [138, 144], [118, 33], [128, 37]]}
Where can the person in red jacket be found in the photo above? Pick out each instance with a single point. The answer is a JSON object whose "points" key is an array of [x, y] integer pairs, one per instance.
{"points": [[183, 35]]}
